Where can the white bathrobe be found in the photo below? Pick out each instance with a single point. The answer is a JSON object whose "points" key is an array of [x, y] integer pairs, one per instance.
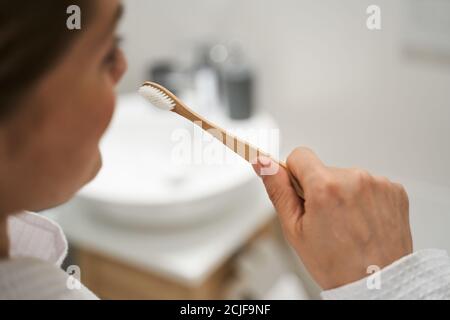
{"points": [[38, 247]]}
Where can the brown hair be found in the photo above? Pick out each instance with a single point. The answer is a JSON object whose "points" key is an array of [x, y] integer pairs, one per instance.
{"points": [[33, 36]]}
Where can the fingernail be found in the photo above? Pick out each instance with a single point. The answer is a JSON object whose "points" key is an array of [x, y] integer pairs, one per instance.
{"points": [[264, 161]]}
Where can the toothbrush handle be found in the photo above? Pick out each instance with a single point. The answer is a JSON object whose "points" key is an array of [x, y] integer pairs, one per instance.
{"points": [[238, 146], [250, 154]]}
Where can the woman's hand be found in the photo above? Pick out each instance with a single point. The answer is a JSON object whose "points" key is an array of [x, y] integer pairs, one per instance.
{"points": [[349, 221]]}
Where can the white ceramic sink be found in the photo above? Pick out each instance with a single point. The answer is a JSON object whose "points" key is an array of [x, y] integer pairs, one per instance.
{"points": [[141, 185]]}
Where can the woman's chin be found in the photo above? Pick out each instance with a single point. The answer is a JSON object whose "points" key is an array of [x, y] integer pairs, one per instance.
{"points": [[62, 197]]}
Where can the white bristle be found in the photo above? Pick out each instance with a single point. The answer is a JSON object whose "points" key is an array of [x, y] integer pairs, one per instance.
{"points": [[157, 97]]}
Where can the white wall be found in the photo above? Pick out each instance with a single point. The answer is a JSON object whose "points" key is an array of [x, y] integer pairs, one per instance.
{"points": [[345, 91]]}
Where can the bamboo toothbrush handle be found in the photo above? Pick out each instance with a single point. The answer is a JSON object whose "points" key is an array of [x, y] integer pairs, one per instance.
{"points": [[238, 146]]}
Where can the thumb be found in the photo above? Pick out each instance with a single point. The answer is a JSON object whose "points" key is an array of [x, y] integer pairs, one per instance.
{"points": [[279, 188]]}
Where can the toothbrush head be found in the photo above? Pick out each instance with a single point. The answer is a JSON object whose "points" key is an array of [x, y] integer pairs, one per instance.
{"points": [[157, 96]]}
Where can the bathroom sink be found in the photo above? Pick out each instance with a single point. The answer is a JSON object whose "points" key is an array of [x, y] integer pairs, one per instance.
{"points": [[142, 183]]}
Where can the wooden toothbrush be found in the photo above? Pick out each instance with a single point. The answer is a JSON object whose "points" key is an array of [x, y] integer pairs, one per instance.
{"points": [[164, 99]]}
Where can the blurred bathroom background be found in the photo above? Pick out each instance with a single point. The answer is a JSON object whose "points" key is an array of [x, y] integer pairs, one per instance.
{"points": [[377, 99]]}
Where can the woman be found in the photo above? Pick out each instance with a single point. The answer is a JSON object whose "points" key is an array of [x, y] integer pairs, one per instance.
{"points": [[57, 100]]}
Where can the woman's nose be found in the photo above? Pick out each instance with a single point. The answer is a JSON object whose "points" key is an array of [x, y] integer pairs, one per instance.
{"points": [[122, 66]]}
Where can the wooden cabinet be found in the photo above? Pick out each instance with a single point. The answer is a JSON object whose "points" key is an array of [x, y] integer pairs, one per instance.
{"points": [[112, 278]]}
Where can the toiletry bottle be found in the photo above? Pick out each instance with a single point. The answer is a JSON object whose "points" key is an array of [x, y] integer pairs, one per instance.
{"points": [[162, 72], [238, 82], [206, 82]]}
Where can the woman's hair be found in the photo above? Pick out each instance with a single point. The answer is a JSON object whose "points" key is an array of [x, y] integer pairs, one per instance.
{"points": [[33, 36]]}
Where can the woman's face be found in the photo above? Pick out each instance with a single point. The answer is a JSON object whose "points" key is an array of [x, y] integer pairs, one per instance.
{"points": [[49, 148]]}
